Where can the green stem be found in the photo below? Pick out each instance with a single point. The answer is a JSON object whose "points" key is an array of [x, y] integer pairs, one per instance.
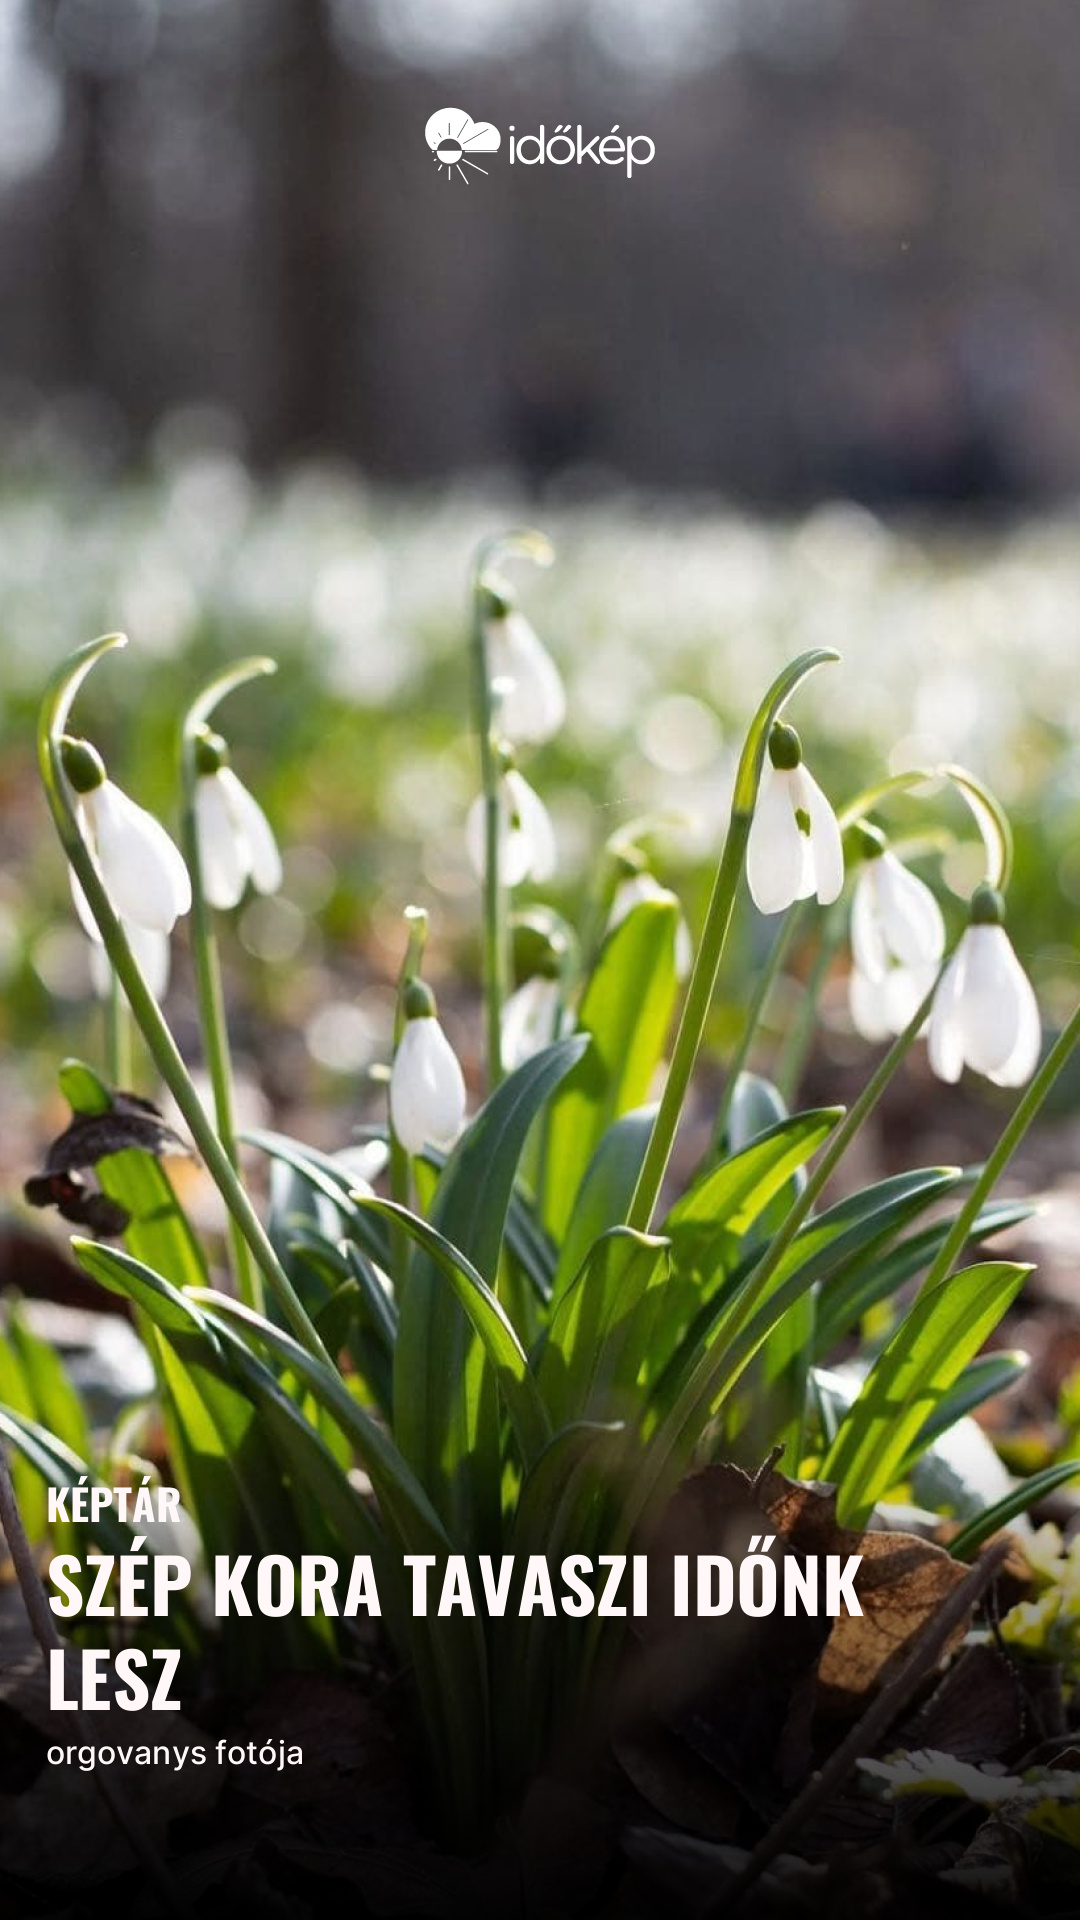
{"points": [[710, 951], [793, 1053], [119, 1066], [163, 1049], [211, 1002], [1012, 1134], [401, 1171], [766, 979], [496, 936], [720, 1366]]}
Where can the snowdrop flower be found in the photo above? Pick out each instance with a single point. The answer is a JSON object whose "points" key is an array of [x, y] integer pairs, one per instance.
{"points": [[151, 954], [794, 848], [236, 843], [530, 1019], [526, 837], [644, 886], [897, 940], [141, 870], [985, 1014], [427, 1088], [532, 699]]}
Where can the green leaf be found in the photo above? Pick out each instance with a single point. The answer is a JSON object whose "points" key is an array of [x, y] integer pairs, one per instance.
{"points": [[943, 1330], [446, 1415], [709, 1224], [852, 1292], [982, 1379], [449, 1655], [1023, 1497], [240, 1501], [334, 1183], [605, 1191], [56, 1405], [626, 1009], [504, 1350], [601, 1327]]}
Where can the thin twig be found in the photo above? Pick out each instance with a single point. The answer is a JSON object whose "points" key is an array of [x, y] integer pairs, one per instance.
{"points": [[875, 1722], [44, 1631]]}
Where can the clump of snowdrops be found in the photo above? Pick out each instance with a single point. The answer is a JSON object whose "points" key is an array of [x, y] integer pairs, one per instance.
{"points": [[516, 1323]]}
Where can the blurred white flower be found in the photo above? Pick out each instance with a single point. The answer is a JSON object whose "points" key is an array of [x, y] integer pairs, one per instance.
{"points": [[928, 1771], [532, 699], [985, 1014], [151, 954], [141, 870], [644, 886], [236, 842], [880, 1009], [529, 1020], [427, 1087], [794, 848], [897, 940], [526, 836]]}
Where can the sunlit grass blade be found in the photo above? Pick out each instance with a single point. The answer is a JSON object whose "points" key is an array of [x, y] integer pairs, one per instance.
{"points": [[446, 1412], [1024, 1496], [943, 1330], [601, 1326], [627, 1009], [493, 1327]]}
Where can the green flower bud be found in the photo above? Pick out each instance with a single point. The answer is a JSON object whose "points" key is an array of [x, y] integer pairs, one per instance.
{"points": [[785, 747], [211, 752], [83, 764], [418, 1001], [987, 906]]}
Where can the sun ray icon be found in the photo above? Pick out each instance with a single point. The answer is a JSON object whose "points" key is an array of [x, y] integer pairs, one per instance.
{"points": [[454, 137]]}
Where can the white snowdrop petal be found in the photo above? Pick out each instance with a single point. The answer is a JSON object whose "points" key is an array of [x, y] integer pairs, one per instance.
{"points": [[533, 827], [150, 952], [82, 908], [263, 861], [991, 1003], [513, 843], [911, 918], [427, 1088], [826, 846], [142, 870], [528, 1021], [905, 990], [945, 1048], [868, 948], [221, 860], [775, 853], [868, 1006], [534, 703], [1024, 1058], [630, 893]]}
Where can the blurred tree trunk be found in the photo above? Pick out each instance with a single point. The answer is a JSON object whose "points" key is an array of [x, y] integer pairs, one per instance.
{"points": [[311, 296], [84, 218]]}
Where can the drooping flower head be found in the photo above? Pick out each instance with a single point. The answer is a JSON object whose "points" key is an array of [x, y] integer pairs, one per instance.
{"points": [[526, 837], [236, 841], [138, 865], [531, 696], [794, 848], [985, 1014], [427, 1087], [897, 939]]}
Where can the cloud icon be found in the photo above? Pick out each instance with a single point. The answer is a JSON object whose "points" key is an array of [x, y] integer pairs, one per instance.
{"points": [[454, 137]]}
